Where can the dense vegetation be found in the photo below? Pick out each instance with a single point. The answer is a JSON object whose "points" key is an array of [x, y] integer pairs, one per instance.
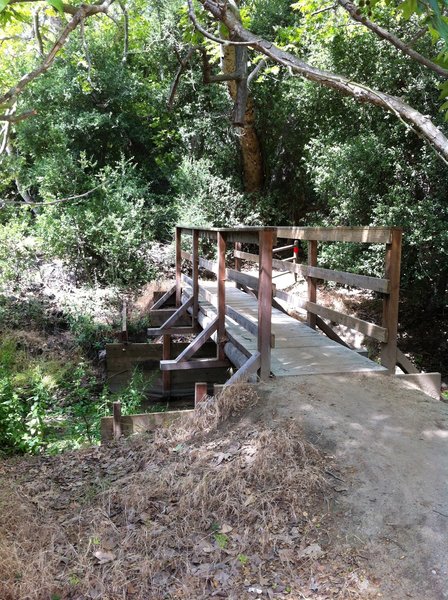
{"points": [[112, 154]]}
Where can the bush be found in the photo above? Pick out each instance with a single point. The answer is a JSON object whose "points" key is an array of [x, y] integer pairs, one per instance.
{"points": [[106, 236]]}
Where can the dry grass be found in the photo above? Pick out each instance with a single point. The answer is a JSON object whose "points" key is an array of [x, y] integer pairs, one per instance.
{"points": [[213, 508]]}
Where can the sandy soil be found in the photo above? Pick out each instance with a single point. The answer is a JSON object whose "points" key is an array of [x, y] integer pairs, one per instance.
{"points": [[392, 498]]}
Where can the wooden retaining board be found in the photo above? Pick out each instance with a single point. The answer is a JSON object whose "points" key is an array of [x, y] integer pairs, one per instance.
{"points": [[299, 350], [140, 423], [122, 359]]}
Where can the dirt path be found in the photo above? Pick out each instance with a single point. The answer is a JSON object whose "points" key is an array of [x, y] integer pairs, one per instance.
{"points": [[394, 497]]}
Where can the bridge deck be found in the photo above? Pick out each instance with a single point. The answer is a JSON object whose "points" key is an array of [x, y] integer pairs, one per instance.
{"points": [[299, 350]]}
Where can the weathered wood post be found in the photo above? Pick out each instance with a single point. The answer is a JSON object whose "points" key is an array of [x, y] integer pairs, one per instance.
{"points": [[124, 324], [296, 257], [166, 355], [390, 300], [195, 273], [178, 241], [311, 281], [221, 276], [266, 243], [237, 248], [200, 392], [116, 411]]}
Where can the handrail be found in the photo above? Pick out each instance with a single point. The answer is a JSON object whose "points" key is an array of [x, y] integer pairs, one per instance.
{"points": [[266, 237]]}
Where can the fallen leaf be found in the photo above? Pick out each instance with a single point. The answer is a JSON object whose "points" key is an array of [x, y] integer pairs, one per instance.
{"points": [[312, 551], [226, 528], [104, 557]]}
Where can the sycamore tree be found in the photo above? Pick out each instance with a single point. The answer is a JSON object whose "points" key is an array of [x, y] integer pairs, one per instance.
{"points": [[409, 21]]}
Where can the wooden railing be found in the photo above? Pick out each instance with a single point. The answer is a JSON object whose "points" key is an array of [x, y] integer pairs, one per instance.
{"points": [[266, 238]]}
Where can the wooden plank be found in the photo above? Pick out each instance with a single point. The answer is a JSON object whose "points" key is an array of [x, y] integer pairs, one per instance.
{"points": [[329, 332], [196, 344], [175, 317], [233, 340], [248, 235], [352, 279], [166, 296], [199, 363], [200, 392], [364, 327], [242, 320], [157, 331], [312, 284], [429, 383], [178, 240], [404, 363], [140, 423], [370, 235], [375, 284], [249, 368], [294, 301], [390, 302], [160, 316], [265, 303]]}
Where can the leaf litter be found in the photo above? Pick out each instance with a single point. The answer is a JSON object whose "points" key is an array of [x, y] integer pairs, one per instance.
{"points": [[221, 505]]}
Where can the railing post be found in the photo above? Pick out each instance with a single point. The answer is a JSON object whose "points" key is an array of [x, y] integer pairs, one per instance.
{"points": [[311, 281], [221, 276], [237, 247], [296, 257], [117, 420], [166, 355], [178, 265], [266, 243], [195, 274], [200, 392], [390, 301]]}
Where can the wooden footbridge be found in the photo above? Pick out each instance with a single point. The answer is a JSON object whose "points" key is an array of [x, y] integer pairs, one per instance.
{"points": [[247, 316], [241, 327]]}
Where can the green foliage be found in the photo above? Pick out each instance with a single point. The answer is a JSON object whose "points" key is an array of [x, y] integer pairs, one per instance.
{"points": [[23, 403], [17, 251], [206, 199], [90, 335], [105, 236]]}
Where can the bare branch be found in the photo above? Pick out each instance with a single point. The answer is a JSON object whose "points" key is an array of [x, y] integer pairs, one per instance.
{"points": [[261, 65], [125, 32], [62, 200], [6, 132], [324, 9], [183, 63], [36, 31], [207, 34], [420, 33], [10, 117], [82, 13], [384, 34], [420, 123]]}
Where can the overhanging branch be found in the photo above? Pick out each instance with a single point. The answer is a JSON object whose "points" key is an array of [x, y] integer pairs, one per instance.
{"points": [[81, 13], [386, 35], [420, 123]]}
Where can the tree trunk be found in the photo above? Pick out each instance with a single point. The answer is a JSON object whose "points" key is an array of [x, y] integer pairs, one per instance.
{"points": [[252, 159]]}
